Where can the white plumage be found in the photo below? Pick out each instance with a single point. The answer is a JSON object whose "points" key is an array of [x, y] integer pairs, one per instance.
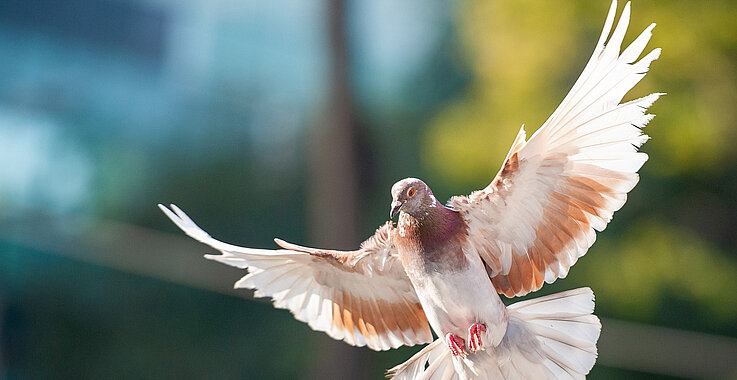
{"points": [[368, 301], [539, 214], [548, 337], [528, 226]]}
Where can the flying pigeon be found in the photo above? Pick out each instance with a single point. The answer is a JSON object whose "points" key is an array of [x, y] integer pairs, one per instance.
{"points": [[442, 267]]}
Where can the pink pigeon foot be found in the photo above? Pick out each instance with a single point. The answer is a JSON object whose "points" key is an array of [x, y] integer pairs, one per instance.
{"points": [[456, 344], [474, 337]]}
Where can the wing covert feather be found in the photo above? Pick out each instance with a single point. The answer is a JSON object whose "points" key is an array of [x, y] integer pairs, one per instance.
{"points": [[362, 297], [540, 213]]}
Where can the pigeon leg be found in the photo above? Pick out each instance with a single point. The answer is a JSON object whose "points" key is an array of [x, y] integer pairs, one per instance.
{"points": [[456, 344], [474, 337]]}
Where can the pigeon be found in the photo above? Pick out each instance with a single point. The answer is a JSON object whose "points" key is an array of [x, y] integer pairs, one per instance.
{"points": [[442, 267]]}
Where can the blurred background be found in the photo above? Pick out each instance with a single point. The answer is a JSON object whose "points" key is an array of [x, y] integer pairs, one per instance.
{"points": [[293, 119]]}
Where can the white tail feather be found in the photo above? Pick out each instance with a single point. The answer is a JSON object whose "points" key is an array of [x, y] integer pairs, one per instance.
{"points": [[550, 337]]}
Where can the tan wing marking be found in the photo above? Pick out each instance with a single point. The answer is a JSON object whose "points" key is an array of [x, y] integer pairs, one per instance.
{"points": [[564, 223]]}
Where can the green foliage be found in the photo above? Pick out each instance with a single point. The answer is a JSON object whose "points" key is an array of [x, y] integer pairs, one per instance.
{"points": [[633, 274], [698, 70], [516, 76], [521, 77]]}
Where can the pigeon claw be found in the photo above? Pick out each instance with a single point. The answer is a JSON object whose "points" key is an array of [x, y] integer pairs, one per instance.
{"points": [[474, 337], [456, 345]]}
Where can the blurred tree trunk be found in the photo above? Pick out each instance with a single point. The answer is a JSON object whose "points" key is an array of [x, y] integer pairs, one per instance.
{"points": [[333, 178], [3, 370], [333, 188], [6, 325]]}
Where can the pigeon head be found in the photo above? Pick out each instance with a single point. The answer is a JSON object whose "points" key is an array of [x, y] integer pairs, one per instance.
{"points": [[411, 196]]}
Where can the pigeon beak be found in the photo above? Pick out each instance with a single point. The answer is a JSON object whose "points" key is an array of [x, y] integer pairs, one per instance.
{"points": [[395, 209]]}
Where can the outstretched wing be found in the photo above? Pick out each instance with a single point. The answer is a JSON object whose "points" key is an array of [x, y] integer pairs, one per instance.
{"points": [[362, 297], [538, 215]]}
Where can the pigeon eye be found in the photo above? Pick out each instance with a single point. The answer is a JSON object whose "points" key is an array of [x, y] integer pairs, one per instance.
{"points": [[411, 192]]}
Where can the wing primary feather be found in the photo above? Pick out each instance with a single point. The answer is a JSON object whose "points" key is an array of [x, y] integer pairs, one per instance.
{"points": [[328, 289]]}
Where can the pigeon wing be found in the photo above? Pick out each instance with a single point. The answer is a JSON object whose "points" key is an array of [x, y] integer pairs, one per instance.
{"points": [[362, 297], [538, 215]]}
